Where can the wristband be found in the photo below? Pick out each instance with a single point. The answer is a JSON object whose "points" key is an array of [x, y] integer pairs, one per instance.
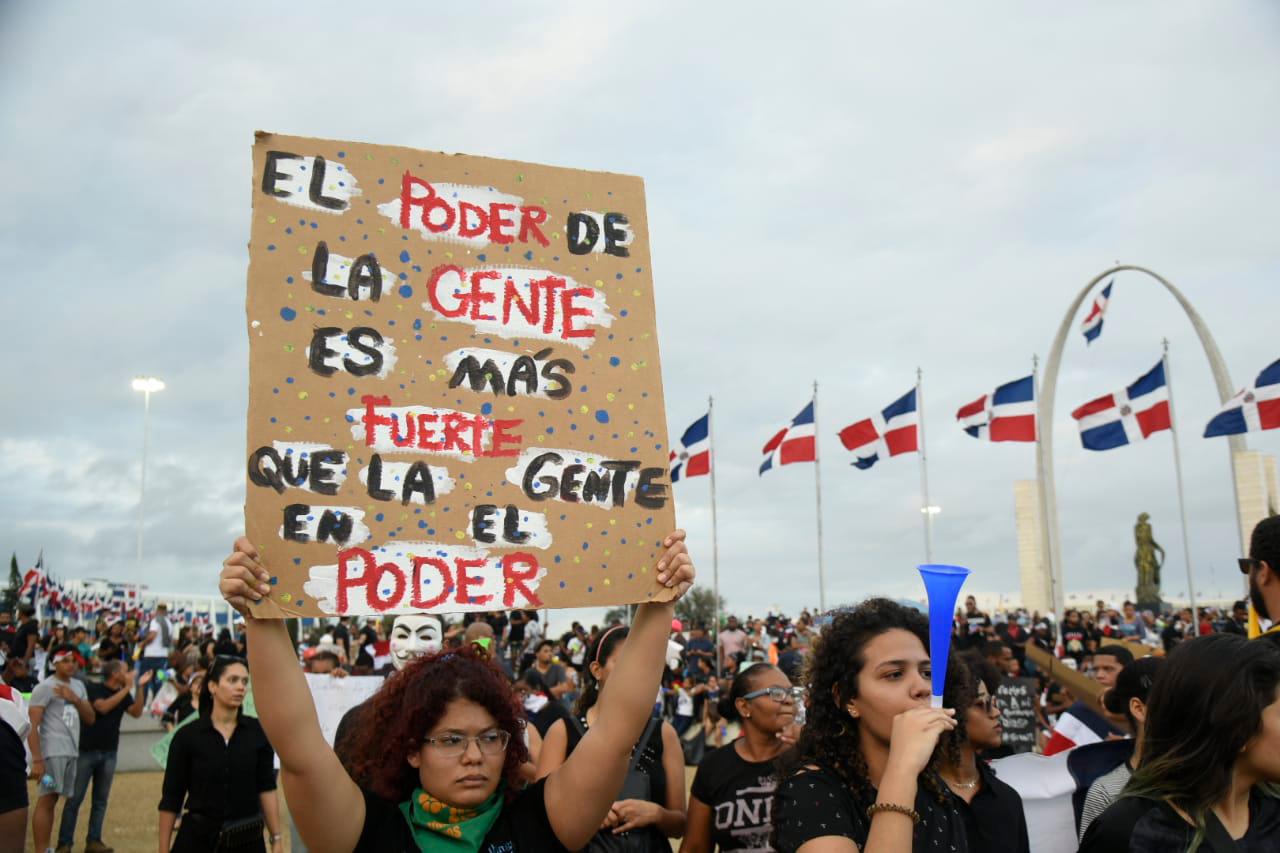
{"points": [[893, 807]]}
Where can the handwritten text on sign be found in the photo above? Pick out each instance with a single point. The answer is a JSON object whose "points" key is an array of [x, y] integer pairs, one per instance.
{"points": [[455, 397]]}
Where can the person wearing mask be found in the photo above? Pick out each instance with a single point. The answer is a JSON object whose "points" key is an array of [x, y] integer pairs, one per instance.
{"points": [[1128, 699], [156, 643], [220, 767], [991, 810], [731, 802], [59, 704], [1082, 722], [651, 797], [864, 769], [448, 739], [1262, 567], [99, 740], [1210, 743]]}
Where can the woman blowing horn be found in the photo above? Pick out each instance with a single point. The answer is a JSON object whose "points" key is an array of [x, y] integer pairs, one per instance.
{"points": [[443, 746]]}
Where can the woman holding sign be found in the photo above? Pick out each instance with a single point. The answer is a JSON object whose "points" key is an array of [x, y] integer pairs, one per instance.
{"points": [[864, 775], [443, 752]]}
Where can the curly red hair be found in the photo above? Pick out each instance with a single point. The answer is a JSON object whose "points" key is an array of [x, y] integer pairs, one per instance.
{"points": [[411, 703]]}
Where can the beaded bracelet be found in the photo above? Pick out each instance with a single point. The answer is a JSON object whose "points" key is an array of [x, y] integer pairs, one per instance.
{"points": [[893, 807]]}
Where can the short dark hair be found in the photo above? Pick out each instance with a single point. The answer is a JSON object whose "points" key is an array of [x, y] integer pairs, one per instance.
{"points": [[1120, 653], [544, 642], [1264, 543], [325, 654], [994, 648], [1133, 682]]}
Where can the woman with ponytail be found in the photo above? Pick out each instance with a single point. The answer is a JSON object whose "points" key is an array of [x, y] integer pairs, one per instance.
{"points": [[443, 746], [221, 765], [732, 797], [649, 805], [1210, 756], [864, 773]]}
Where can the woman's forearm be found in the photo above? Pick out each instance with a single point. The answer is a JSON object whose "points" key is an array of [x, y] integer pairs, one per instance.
{"points": [[628, 701], [671, 823], [167, 820], [270, 811], [283, 701]]}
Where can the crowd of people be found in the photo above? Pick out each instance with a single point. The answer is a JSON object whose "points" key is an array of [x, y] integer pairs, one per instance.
{"points": [[811, 733]]}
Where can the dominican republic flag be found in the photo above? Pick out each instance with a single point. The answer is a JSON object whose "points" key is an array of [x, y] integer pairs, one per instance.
{"points": [[692, 456], [894, 431], [795, 443], [1091, 328], [1077, 726], [1254, 409], [34, 582], [1006, 414], [1128, 415]]}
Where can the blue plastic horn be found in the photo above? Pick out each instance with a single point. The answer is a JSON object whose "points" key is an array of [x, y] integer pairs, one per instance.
{"points": [[942, 585]]}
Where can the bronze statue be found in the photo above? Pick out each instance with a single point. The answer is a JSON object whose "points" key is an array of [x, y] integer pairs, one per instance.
{"points": [[1147, 564]]}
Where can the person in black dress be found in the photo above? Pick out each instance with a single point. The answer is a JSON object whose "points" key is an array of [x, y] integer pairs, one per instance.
{"points": [[1211, 741], [731, 803], [221, 766], [864, 776], [649, 802], [443, 753], [992, 811]]}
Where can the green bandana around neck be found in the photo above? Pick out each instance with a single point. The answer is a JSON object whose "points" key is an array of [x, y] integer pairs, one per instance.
{"points": [[438, 826]]}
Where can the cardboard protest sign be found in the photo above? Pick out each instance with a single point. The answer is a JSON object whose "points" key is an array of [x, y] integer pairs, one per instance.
{"points": [[1081, 686], [455, 397]]}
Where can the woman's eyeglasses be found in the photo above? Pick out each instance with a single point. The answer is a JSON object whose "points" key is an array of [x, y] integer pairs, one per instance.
{"points": [[777, 694], [455, 745]]}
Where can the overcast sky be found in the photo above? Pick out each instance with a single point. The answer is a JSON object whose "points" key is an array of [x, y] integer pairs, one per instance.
{"points": [[840, 192]]}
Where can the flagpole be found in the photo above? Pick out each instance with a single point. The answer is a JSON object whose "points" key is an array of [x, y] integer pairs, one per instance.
{"points": [[926, 508], [715, 544], [1182, 506], [817, 482]]}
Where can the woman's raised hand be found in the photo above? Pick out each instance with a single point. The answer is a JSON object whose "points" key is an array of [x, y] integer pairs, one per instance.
{"points": [[243, 579], [915, 736], [675, 568]]}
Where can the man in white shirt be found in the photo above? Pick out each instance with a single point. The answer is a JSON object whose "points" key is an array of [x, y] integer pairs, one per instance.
{"points": [[156, 645], [58, 705]]}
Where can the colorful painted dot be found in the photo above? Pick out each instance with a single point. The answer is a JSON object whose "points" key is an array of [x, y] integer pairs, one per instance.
{"points": [[602, 416], [288, 313]]}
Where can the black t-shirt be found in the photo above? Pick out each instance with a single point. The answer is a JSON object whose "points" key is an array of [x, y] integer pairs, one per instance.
{"points": [[1140, 825], [522, 827], [815, 803], [8, 637], [1074, 640], [739, 794], [25, 630], [104, 733]]}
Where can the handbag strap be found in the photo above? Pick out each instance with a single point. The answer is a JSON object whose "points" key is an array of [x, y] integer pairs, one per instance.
{"points": [[653, 723]]}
